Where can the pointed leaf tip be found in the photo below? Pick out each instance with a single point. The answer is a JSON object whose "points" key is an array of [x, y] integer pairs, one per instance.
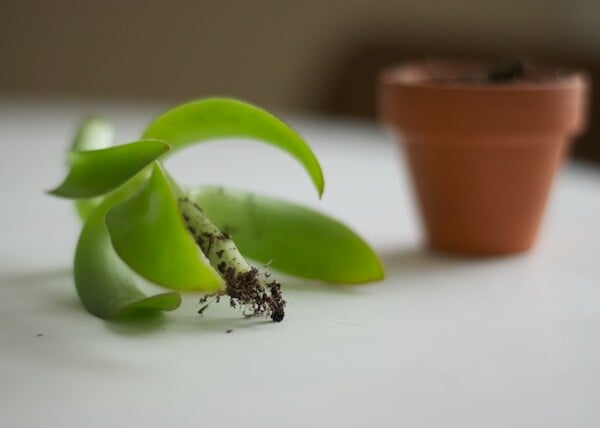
{"points": [[96, 172]]}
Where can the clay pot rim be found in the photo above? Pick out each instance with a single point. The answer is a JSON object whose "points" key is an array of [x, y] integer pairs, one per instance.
{"points": [[410, 101], [404, 75]]}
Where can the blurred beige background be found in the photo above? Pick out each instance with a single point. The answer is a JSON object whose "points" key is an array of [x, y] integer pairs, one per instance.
{"points": [[309, 55]]}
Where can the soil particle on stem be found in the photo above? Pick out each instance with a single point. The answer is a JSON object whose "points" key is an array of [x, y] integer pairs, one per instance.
{"points": [[248, 289], [247, 292]]}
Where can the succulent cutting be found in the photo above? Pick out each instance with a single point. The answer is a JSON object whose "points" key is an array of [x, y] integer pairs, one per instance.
{"points": [[140, 226]]}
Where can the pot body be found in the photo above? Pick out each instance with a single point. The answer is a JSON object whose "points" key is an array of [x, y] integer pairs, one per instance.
{"points": [[482, 157]]}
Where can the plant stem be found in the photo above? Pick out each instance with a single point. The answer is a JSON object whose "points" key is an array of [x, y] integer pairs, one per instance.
{"points": [[253, 290]]}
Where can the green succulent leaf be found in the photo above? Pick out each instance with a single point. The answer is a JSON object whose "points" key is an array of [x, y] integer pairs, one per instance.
{"points": [[96, 172], [85, 207], [94, 133], [211, 118], [293, 239], [106, 286], [148, 233]]}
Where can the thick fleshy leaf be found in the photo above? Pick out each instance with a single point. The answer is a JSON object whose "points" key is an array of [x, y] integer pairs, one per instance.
{"points": [[96, 172], [85, 207], [293, 239], [106, 286], [94, 133], [212, 118], [148, 233]]}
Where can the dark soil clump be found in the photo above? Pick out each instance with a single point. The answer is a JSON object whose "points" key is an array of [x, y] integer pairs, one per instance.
{"points": [[248, 289], [246, 292], [507, 72], [504, 73]]}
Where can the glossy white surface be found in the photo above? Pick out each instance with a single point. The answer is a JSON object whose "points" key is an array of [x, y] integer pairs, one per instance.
{"points": [[506, 342]]}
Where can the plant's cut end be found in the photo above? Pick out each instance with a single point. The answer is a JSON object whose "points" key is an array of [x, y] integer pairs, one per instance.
{"points": [[249, 293], [251, 290]]}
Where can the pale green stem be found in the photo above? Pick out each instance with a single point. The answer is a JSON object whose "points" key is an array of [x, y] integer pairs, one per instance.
{"points": [[252, 287]]}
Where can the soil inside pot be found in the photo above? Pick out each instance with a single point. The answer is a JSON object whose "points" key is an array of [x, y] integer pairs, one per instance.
{"points": [[509, 72]]}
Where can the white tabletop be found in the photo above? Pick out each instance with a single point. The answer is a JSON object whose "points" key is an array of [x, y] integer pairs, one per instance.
{"points": [[441, 342]]}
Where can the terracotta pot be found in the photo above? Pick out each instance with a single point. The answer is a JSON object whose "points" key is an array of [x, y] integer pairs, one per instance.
{"points": [[482, 155]]}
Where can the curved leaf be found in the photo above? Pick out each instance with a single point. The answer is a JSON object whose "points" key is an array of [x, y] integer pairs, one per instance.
{"points": [[148, 233], [96, 172], [212, 118], [106, 286], [93, 133], [294, 239], [85, 207]]}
